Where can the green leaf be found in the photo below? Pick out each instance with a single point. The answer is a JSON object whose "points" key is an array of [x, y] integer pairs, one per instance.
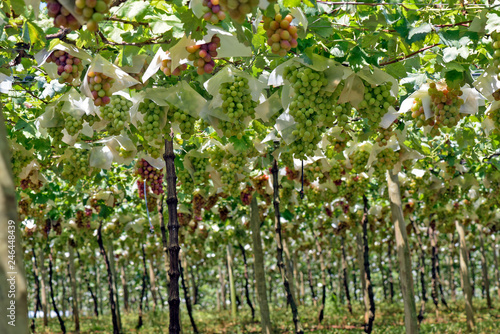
{"points": [[287, 215], [291, 3], [310, 3], [134, 10], [242, 144], [396, 70], [419, 33], [450, 54]]}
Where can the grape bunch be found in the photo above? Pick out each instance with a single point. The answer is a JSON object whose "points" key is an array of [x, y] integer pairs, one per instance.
{"points": [[27, 183], [20, 159], [376, 102], [417, 113], [185, 181], [117, 114], [314, 171], [90, 119], [342, 113], [494, 115], [72, 124], [237, 105], [213, 11], [211, 201], [386, 160], [198, 204], [246, 195], [150, 128], [384, 135], [200, 175], [445, 103], [62, 17], [216, 157], [306, 84], [186, 122], [281, 34], [359, 160], [68, 66], [338, 143], [100, 86], [166, 68], [92, 11], [355, 188], [202, 55], [337, 170], [152, 176], [82, 220], [496, 53], [234, 164], [76, 166], [238, 9]]}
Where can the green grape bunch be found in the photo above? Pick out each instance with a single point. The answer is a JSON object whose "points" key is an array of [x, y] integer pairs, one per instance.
{"points": [[19, 160], [359, 160], [151, 127], [384, 135], [186, 122], [72, 124], [233, 165], [117, 114], [305, 109], [200, 175], [495, 36], [185, 181], [76, 165], [376, 102], [237, 105], [386, 160]]}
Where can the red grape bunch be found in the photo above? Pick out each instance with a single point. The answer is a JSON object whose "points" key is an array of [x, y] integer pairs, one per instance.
{"points": [[100, 87], [213, 11], [238, 9], [92, 11], [246, 195], [68, 66], [62, 17], [27, 183], [202, 55], [152, 176], [166, 68], [281, 34]]}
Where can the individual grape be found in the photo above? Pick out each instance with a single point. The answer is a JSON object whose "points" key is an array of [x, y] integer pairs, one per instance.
{"points": [[238, 9], [386, 160], [69, 67], [281, 34], [72, 124], [186, 122], [166, 68], [376, 103], [100, 87], [202, 55], [151, 127], [62, 17], [117, 114], [359, 160], [150, 175], [76, 166], [213, 12], [92, 11], [237, 105]]}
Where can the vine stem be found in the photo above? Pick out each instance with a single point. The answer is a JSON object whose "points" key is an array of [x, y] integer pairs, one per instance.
{"points": [[173, 228]]}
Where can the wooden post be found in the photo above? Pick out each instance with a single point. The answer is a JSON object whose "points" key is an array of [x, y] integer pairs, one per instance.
{"points": [[464, 274], [403, 250]]}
